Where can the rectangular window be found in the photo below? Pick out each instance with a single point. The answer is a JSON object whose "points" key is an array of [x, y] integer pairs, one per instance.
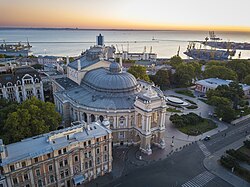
{"points": [[15, 180], [36, 159], [64, 150], [65, 162], [48, 155], [59, 152], [51, 178], [38, 172], [12, 168], [23, 164], [66, 172], [62, 174], [76, 158], [40, 183], [97, 151], [86, 155], [26, 177], [89, 142], [84, 144], [61, 164], [97, 139], [105, 148], [89, 153], [50, 167]]}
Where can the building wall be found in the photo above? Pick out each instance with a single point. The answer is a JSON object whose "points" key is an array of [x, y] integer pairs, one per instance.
{"points": [[91, 158], [125, 124], [22, 90]]}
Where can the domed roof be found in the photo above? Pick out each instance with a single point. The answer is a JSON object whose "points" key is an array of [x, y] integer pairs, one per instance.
{"points": [[110, 81], [115, 67]]}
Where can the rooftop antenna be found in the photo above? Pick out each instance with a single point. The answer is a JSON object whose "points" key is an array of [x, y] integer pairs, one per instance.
{"points": [[151, 49]]}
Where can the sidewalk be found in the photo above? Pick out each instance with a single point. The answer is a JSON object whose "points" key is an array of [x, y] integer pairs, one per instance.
{"points": [[211, 164]]}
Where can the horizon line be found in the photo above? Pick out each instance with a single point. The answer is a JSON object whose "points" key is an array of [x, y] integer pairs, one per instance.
{"points": [[114, 29]]}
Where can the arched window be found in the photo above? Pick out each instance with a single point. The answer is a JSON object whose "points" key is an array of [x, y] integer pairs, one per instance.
{"points": [[92, 118], [90, 163], [101, 118], [84, 117], [122, 120], [86, 165], [18, 82], [37, 80], [9, 84]]}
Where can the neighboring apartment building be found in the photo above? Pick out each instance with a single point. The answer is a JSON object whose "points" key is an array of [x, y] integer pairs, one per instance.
{"points": [[66, 157], [49, 60], [205, 85], [21, 84]]}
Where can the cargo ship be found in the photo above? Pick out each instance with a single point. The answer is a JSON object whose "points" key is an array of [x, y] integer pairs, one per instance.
{"points": [[15, 50], [216, 42], [208, 54]]}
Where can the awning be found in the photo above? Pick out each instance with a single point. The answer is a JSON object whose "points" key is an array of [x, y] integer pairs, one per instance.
{"points": [[78, 179]]}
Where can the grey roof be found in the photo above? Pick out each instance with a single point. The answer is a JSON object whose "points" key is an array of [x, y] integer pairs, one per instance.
{"points": [[102, 79], [40, 145], [85, 62], [85, 96], [66, 83], [214, 82], [18, 74]]}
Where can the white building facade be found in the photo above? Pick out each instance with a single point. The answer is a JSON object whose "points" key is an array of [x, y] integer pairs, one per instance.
{"points": [[23, 83]]}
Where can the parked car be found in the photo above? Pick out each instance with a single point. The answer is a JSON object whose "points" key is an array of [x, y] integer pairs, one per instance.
{"points": [[207, 138]]}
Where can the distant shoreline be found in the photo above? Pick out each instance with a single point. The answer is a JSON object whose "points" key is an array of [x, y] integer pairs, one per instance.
{"points": [[100, 29]]}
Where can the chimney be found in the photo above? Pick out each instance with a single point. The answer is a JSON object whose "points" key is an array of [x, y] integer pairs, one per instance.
{"points": [[67, 60], [78, 65]]}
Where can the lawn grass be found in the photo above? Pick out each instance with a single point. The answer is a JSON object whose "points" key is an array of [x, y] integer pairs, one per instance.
{"points": [[245, 150], [185, 92], [173, 110], [190, 101], [205, 101], [194, 130], [192, 107]]}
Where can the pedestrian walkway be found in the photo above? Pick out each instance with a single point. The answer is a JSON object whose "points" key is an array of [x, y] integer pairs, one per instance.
{"points": [[200, 180], [204, 149]]}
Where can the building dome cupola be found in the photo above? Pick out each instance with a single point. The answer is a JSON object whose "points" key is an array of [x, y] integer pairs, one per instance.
{"points": [[115, 67]]}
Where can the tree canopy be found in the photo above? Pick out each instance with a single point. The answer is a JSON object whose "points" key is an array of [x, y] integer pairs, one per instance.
{"points": [[139, 72], [175, 61], [31, 118], [226, 99], [161, 78], [221, 72], [184, 74]]}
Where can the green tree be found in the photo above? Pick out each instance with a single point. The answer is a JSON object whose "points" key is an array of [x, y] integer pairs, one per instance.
{"points": [[32, 117], [225, 112], [139, 72], [161, 78], [220, 72], [241, 67], [247, 80], [197, 69], [175, 61], [184, 74]]}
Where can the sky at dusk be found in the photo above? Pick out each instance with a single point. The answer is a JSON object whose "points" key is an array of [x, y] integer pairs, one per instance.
{"points": [[127, 14]]}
